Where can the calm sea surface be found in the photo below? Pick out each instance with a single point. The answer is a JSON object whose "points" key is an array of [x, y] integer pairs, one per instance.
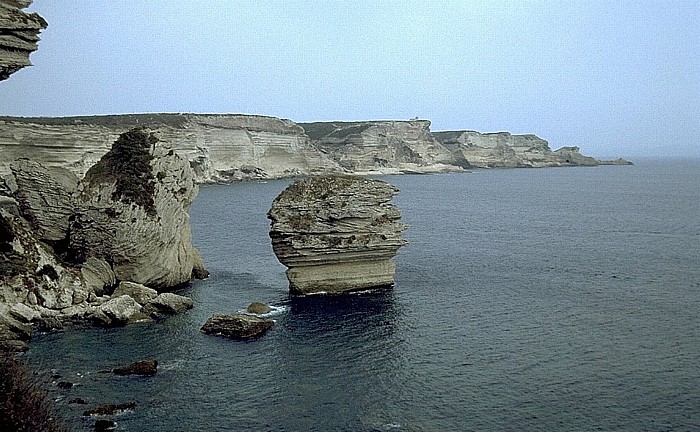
{"points": [[528, 299]]}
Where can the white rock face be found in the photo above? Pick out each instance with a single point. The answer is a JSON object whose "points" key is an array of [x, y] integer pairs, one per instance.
{"points": [[45, 199], [504, 150], [336, 234], [150, 242], [383, 147], [220, 148]]}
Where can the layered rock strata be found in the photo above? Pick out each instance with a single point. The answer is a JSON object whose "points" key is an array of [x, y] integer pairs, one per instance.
{"points": [[219, 148], [133, 212], [230, 147], [19, 35], [336, 234], [82, 251], [504, 150], [383, 146]]}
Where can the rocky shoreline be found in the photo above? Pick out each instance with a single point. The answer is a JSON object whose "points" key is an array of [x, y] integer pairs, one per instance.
{"points": [[103, 250]]}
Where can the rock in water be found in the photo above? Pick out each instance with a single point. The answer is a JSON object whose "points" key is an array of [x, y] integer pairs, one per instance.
{"points": [[258, 308], [141, 367], [237, 326], [336, 233], [133, 212]]}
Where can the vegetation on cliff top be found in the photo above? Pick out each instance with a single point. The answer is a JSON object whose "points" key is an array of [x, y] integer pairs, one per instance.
{"points": [[128, 164]]}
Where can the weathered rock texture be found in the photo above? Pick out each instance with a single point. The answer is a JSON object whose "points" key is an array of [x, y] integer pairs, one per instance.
{"points": [[504, 150], [133, 212], [382, 146], [66, 245], [219, 148], [230, 147], [236, 326], [336, 233], [19, 35]]}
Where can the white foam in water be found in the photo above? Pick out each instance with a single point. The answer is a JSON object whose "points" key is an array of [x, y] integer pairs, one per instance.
{"points": [[274, 311]]}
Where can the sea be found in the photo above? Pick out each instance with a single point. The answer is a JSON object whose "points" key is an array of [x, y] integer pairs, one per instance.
{"points": [[555, 299]]}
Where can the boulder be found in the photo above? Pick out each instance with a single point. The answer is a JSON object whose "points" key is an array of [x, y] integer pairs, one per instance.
{"points": [[142, 294], [336, 234], [167, 304], [119, 311], [104, 425], [97, 275], [236, 326], [24, 313], [141, 367], [258, 308]]}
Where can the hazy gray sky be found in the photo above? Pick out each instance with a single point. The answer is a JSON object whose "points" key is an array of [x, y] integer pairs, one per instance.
{"points": [[616, 78]]}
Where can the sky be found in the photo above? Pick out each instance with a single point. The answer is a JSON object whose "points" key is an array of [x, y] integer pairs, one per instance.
{"points": [[616, 78]]}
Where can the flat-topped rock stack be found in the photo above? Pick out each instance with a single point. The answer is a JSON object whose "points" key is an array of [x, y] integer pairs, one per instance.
{"points": [[336, 234]]}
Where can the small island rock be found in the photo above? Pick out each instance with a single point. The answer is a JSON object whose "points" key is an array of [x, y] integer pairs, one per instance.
{"points": [[236, 326]]}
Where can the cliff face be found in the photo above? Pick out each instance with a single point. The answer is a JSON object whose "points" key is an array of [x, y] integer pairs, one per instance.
{"points": [[504, 150], [64, 244], [225, 148], [382, 146], [220, 148], [19, 35], [132, 211]]}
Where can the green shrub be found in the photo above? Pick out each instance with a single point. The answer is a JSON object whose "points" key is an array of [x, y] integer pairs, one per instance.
{"points": [[128, 163]]}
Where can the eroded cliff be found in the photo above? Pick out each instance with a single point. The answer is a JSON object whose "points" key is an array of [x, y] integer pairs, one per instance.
{"points": [[336, 233], [504, 150], [219, 148], [383, 147], [19, 35]]}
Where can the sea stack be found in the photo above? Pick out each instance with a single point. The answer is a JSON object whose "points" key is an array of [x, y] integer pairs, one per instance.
{"points": [[336, 234]]}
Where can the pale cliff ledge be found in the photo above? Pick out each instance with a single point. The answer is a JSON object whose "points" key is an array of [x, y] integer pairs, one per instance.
{"points": [[383, 146], [505, 150], [19, 35], [223, 148], [220, 148]]}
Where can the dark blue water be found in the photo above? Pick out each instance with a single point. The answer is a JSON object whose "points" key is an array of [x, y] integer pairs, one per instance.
{"points": [[529, 299]]}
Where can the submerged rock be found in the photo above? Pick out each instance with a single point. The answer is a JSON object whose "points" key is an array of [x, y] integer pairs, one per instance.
{"points": [[237, 326], [109, 409], [141, 367], [336, 234]]}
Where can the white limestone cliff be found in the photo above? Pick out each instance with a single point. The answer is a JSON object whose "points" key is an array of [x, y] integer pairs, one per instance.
{"points": [[219, 148], [382, 147], [505, 150]]}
